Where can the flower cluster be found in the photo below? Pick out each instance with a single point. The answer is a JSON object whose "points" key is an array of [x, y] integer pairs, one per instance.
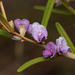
{"points": [[37, 31], [61, 46]]}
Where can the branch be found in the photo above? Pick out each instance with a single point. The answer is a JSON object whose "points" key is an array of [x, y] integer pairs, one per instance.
{"points": [[29, 40], [68, 54]]}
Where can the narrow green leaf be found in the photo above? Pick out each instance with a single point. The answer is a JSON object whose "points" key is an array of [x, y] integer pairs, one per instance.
{"points": [[63, 33], [68, 7], [5, 23], [47, 12], [57, 11], [61, 12], [42, 8], [5, 34], [32, 62]]}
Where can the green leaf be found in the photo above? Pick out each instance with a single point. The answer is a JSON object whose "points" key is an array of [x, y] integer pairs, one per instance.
{"points": [[61, 12], [5, 23], [32, 62], [57, 11], [68, 7], [42, 8], [47, 12], [63, 33], [5, 34]]}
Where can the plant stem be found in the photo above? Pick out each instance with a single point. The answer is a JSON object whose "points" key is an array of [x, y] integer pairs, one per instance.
{"points": [[68, 7], [2, 9], [68, 54], [29, 40]]}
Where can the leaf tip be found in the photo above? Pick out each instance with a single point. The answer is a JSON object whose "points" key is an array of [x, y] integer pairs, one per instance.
{"points": [[56, 22], [18, 70]]}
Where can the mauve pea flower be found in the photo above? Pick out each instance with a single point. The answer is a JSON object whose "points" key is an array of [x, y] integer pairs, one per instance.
{"points": [[61, 45], [57, 2], [39, 32], [31, 26], [21, 25], [50, 50]]}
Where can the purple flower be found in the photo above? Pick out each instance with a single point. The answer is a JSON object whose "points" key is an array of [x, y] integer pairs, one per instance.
{"points": [[38, 31], [57, 2], [61, 45], [23, 22], [50, 50], [21, 25], [31, 26]]}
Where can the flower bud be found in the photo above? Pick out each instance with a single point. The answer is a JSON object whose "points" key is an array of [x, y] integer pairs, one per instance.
{"points": [[14, 37]]}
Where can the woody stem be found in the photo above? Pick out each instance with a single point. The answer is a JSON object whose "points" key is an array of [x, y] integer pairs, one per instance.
{"points": [[29, 40]]}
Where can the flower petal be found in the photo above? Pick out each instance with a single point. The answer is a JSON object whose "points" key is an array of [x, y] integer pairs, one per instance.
{"points": [[46, 53], [43, 30], [64, 49], [57, 45], [35, 24], [57, 2], [17, 22], [29, 30], [35, 33], [62, 41], [51, 47], [41, 37], [31, 26], [25, 22]]}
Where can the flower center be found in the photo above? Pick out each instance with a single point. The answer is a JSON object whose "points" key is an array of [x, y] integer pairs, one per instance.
{"points": [[39, 34], [51, 51], [60, 46]]}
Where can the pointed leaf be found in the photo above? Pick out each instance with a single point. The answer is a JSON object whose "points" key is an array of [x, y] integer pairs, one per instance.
{"points": [[5, 23], [32, 62], [63, 33], [57, 11], [47, 12], [5, 34]]}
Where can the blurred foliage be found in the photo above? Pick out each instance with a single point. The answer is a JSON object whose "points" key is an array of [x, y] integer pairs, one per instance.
{"points": [[57, 11]]}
